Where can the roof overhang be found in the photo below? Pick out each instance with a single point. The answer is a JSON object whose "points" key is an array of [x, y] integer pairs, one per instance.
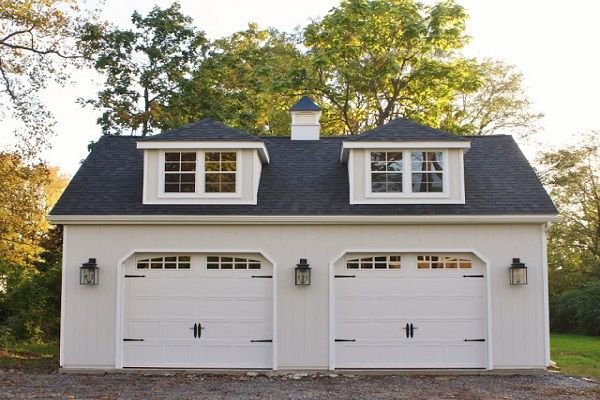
{"points": [[213, 144], [301, 219], [364, 144]]}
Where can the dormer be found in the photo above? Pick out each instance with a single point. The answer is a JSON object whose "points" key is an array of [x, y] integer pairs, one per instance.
{"points": [[202, 163], [403, 162]]}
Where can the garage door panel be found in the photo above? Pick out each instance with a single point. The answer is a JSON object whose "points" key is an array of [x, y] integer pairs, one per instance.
{"points": [[232, 307], [443, 306]]}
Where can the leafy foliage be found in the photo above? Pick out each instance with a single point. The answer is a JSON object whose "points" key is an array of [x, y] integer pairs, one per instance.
{"points": [[573, 175], [143, 66], [38, 40], [577, 311], [366, 62], [26, 195]]}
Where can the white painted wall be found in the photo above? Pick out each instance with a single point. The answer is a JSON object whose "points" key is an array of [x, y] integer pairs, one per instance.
{"points": [[358, 168], [518, 313]]}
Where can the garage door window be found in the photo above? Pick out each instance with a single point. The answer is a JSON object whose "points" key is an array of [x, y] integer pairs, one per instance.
{"points": [[224, 262], [442, 262], [165, 262], [375, 262]]}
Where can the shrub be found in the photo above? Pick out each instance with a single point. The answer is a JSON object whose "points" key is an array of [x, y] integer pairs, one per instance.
{"points": [[577, 311]]}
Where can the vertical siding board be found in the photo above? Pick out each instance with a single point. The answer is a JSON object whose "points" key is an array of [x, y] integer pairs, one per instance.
{"points": [[517, 313]]}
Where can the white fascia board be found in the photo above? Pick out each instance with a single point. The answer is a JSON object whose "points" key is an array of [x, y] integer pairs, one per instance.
{"points": [[401, 145], [182, 145], [300, 219]]}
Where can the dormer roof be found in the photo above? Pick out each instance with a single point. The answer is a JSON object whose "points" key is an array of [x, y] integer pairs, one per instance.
{"points": [[206, 133], [402, 129], [305, 104], [205, 130]]}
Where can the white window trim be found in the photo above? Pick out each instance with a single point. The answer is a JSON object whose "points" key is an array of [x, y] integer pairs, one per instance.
{"points": [[200, 176], [407, 192]]}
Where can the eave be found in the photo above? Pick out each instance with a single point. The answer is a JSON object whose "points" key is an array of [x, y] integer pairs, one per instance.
{"points": [[365, 144], [187, 145]]}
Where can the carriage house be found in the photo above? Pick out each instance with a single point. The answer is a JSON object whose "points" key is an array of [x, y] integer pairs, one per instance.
{"points": [[402, 247]]}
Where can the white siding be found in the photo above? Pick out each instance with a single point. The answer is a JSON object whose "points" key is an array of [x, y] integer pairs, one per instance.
{"points": [[518, 319]]}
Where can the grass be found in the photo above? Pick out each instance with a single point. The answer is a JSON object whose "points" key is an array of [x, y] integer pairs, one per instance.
{"points": [[30, 356], [576, 354]]}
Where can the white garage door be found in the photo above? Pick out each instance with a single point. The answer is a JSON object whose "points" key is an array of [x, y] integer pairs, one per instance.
{"points": [[199, 311], [409, 311]]}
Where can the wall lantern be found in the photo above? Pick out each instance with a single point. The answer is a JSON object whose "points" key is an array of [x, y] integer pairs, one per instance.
{"points": [[518, 272], [302, 273], [89, 273]]}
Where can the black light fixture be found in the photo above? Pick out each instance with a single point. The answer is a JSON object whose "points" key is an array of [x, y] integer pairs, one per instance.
{"points": [[89, 273], [518, 272], [302, 273]]}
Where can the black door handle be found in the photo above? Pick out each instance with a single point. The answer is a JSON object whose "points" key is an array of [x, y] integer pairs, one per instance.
{"points": [[412, 330], [407, 329], [200, 328], [195, 330]]}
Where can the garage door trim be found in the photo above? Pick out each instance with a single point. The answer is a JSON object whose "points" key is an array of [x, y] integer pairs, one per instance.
{"points": [[121, 293], [488, 292]]}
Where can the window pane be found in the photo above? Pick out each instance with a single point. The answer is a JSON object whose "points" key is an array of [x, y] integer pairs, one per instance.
{"points": [[171, 178], [172, 167], [188, 188], [212, 266], [212, 259], [394, 177], [171, 259], [172, 156], [184, 266], [377, 156], [394, 187], [226, 266], [227, 178], [188, 178], [171, 188], [229, 156], [212, 178], [211, 166], [394, 166], [188, 166], [394, 156], [378, 166], [212, 156], [188, 157], [226, 259], [228, 166], [228, 187], [170, 265], [254, 265], [211, 188]]}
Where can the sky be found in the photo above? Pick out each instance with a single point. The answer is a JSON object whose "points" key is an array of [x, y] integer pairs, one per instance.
{"points": [[553, 43]]}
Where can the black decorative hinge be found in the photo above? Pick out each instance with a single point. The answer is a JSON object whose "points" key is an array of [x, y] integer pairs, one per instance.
{"points": [[345, 340], [472, 276], [261, 341], [135, 276], [344, 276], [474, 340], [262, 276], [133, 340]]}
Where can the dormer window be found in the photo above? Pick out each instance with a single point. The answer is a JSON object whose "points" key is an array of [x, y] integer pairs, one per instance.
{"points": [[180, 172], [406, 172], [219, 170], [386, 172], [427, 171]]}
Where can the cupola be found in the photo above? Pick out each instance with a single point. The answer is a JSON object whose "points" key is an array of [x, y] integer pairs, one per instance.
{"points": [[305, 120]]}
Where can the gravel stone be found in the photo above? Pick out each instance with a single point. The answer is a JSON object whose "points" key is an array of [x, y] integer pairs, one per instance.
{"points": [[550, 386]]}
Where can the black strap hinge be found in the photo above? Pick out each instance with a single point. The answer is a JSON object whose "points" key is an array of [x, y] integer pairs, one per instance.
{"points": [[472, 276], [135, 276], [345, 340], [133, 340], [261, 341], [474, 340], [344, 276], [262, 276]]}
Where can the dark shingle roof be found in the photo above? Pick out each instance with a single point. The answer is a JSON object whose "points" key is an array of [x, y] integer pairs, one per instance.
{"points": [[305, 104], [306, 178], [402, 129], [205, 130]]}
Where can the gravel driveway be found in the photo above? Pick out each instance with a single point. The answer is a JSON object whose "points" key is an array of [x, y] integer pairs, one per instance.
{"points": [[27, 385]]}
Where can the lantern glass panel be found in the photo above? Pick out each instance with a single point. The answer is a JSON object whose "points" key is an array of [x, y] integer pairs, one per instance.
{"points": [[518, 276], [89, 276], [302, 276]]}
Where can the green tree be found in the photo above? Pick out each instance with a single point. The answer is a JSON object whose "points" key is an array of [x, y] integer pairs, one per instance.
{"points": [[143, 66], [573, 175], [376, 60], [39, 40], [247, 80]]}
